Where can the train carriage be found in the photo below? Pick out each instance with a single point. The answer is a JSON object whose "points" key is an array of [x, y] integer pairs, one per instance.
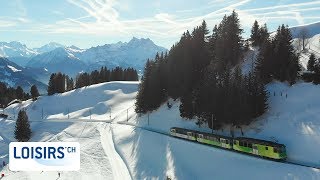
{"points": [[261, 148], [215, 140], [183, 133]]}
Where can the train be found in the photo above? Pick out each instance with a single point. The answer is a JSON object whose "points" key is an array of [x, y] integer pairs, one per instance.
{"points": [[256, 147]]}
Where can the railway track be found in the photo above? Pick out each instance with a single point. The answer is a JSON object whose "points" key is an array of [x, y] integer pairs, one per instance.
{"points": [[166, 134]]}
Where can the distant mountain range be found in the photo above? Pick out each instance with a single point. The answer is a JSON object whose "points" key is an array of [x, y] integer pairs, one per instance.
{"points": [[14, 75], [55, 57]]}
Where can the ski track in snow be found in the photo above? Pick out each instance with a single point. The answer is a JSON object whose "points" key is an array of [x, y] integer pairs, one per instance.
{"points": [[119, 168]]}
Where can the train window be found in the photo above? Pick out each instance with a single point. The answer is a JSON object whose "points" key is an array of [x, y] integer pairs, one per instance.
{"points": [[250, 145], [240, 143], [201, 136], [227, 141], [266, 148], [275, 150]]}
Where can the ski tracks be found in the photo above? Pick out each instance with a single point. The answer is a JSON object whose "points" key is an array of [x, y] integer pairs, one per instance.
{"points": [[120, 170]]}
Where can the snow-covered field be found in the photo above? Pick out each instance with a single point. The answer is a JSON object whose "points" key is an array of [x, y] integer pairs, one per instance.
{"points": [[119, 151]]}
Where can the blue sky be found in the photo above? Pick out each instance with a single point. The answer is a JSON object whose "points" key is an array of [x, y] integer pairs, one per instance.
{"points": [[87, 23]]}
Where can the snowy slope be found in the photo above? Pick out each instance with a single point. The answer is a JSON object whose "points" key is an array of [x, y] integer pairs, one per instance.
{"points": [[311, 29], [312, 46], [118, 150], [99, 159], [297, 115]]}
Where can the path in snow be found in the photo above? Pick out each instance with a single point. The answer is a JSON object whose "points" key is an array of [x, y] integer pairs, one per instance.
{"points": [[119, 168]]}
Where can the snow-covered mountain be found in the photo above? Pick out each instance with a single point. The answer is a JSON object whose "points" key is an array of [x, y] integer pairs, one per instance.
{"points": [[20, 54], [134, 53], [60, 59], [71, 60], [16, 52], [14, 75], [48, 47]]}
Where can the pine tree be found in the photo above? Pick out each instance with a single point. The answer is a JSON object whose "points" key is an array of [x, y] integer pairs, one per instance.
{"points": [[202, 72], [51, 85], [263, 34], [228, 44], [277, 59], [34, 92], [311, 62], [22, 129], [20, 93], [144, 95], [255, 34], [70, 83]]}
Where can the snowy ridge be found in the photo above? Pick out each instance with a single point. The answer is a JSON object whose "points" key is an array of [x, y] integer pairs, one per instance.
{"points": [[311, 29]]}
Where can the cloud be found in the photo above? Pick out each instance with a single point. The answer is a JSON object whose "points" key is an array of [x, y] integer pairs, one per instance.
{"points": [[19, 7], [103, 18], [107, 18], [59, 13], [6, 22]]}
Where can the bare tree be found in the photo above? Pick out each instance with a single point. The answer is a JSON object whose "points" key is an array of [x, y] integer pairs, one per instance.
{"points": [[303, 38]]}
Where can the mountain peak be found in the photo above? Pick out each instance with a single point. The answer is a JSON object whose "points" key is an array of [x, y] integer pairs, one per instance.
{"points": [[49, 47], [74, 47], [137, 41]]}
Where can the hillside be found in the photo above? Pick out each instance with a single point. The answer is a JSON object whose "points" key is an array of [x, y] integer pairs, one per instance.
{"points": [[311, 29], [118, 151], [14, 75], [312, 46]]}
